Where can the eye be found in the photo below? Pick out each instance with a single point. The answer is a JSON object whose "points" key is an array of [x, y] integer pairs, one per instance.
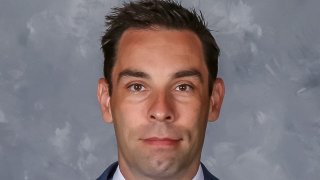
{"points": [[136, 87], [184, 88]]}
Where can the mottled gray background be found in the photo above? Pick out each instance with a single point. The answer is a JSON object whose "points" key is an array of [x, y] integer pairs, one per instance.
{"points": [[50, 61]]}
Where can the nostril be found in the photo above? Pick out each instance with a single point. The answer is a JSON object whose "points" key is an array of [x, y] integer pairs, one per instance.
{"points": [[160, 117]]}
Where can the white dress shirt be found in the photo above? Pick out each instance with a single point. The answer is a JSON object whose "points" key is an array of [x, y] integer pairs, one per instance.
{"points": [[118, 175]]}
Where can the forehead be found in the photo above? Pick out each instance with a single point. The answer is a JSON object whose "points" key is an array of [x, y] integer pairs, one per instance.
{"points": [[152, 37], [159, 48]]}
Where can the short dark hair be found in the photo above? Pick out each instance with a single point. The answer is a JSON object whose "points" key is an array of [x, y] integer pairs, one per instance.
{"points": [[144, 14]]}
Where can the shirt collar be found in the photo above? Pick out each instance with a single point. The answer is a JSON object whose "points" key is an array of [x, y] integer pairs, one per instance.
{"points": [[118, 175]]}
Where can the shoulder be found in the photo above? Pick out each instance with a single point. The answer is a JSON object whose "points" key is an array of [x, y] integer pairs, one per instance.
{"points": [[108, 173], [206, 173]]}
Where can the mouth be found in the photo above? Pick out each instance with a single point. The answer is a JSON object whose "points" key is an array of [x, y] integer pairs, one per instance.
{"points": [[156, 141]]}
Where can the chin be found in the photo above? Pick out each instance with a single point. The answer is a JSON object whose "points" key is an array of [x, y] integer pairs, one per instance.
{"points": [[162, 168]]}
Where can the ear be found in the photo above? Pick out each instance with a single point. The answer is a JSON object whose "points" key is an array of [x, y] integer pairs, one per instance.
{"points": [[216, 99], [104, 100]]}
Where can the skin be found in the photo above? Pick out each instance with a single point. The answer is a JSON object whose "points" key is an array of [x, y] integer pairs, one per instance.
{"points": [[160, 104]]}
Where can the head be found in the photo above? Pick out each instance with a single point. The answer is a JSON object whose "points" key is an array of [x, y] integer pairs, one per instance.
{"points": [[160, 87]]}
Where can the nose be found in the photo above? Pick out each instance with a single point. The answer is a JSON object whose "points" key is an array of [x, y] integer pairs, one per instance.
{"points": [[161, 108]]}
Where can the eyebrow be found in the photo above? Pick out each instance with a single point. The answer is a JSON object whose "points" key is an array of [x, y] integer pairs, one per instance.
{"points": [[132, 73], [188, 73]]}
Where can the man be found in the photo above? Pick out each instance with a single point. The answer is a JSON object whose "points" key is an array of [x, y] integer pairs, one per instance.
{"points": [[160, 90]]}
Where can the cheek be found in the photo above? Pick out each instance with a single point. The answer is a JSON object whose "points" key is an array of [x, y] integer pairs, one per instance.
{"points": [[193, 117], [194, 109], [127, 118]]}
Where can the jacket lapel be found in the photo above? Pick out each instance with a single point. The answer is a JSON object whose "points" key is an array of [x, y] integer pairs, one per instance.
{"points": [[108, 173], [207, 175]]}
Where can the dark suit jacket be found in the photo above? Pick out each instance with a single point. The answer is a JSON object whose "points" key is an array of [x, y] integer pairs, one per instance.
{"points": [[108, 173]]}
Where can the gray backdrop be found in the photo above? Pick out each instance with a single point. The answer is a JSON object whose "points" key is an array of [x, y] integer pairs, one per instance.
{"points": [[50, 61]]}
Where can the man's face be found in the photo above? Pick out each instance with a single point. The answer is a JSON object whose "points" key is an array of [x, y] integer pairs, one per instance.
{"points": [[160, 102]]}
